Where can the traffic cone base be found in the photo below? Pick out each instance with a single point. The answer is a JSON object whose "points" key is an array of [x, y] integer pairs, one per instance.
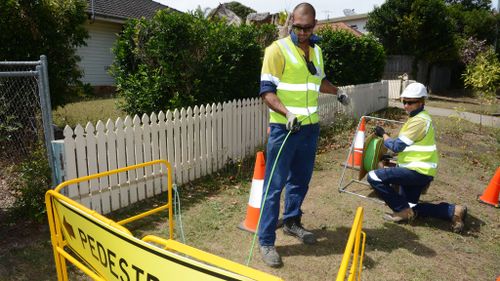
{"points": [[490, 194], [250, 225]]}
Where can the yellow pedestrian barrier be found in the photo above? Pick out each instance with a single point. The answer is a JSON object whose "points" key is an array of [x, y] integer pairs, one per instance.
{"points": [[357, 239], [106, 250]]}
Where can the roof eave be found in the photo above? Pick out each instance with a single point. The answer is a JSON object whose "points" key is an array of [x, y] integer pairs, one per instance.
{"points": [[108, 18]]}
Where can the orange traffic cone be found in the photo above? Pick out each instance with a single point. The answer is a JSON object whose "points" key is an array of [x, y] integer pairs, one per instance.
{"points": [[490, 194], [355, 158], [253, 209]]}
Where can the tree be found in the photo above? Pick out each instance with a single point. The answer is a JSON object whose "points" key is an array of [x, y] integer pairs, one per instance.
{"points": [[201, 12], [479, 23], [389, 24], [29, 29], [470, 5], [421, 28], [241, 10]]}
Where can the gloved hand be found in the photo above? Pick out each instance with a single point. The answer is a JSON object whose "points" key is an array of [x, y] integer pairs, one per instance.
{"points": [[342, 97], [379, 131], [293, 123]]}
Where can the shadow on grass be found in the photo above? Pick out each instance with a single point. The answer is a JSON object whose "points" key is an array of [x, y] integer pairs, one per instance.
{"points": [[472, 227], [388, 238]]}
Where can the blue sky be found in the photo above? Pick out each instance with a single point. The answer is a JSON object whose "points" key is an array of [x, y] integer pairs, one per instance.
{"points": [[324, 8]]}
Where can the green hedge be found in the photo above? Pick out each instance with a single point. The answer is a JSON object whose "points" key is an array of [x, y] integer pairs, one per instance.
{"points": [[176, 60], [351, 60]]}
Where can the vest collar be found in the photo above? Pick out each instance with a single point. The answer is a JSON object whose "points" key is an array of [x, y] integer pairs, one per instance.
{"points": [[416, 111], [312, 40]]}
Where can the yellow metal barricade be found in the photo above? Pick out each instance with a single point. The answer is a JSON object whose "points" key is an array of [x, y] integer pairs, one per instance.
{"points": [[356, 248], [106, 250]]}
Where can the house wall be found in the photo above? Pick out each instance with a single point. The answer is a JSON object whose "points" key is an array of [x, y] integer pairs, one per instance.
{"points": [[358, 24], [97, 57]]}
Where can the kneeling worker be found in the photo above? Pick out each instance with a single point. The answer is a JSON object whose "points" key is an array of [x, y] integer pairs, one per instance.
{"points": [[417, 164]]}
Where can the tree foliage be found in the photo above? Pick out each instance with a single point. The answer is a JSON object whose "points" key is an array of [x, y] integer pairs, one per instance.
{"points": [[241, 10], [470, 48], [483, 74], [479, 23], [421, 28], [31, 183], [29, 29], [470, 5], [176, 60], [349, 59]]}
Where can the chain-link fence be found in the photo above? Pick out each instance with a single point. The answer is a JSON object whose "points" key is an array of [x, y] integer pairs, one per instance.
{"points": [[25, 112]]}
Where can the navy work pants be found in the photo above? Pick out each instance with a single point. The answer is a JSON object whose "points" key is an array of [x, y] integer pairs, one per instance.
{"points": [[411, 185], [293, 171]]}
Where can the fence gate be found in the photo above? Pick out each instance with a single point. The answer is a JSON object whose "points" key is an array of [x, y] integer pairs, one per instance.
{"points": [[25, 111]]}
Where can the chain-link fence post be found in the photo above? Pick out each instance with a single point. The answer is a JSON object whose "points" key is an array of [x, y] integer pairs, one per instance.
{"points": [[46, 112]]}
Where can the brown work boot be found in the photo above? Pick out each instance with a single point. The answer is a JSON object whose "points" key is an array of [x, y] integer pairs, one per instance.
{"points": [[402, 216], [458, 219]]}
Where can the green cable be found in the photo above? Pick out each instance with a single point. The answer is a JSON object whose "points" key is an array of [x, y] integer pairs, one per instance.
{"points": [[177, 212], [250, 254]]}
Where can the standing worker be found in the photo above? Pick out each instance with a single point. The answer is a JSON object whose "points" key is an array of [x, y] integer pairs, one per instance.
{"points": [[292, 77], [417, 164]]}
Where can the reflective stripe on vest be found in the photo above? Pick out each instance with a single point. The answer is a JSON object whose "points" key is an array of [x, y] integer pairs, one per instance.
{"points": [[300, 110], [297, 89], [423, 148], [422, 155]]}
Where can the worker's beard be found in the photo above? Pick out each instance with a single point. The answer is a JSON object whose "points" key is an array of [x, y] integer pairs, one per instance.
{"points": [[303, 39]]}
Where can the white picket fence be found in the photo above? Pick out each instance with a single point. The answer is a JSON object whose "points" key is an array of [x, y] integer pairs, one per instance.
{"points": [[196, 141]]}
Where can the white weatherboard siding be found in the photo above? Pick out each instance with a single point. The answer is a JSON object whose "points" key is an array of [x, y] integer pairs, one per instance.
{"points": [[97, 57]]}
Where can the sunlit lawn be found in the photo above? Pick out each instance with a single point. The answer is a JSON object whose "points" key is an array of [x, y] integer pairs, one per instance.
{"points": [[87, 111]]}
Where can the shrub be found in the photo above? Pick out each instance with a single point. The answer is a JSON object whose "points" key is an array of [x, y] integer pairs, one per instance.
{"points": [[31, 183], [178, 60], [483, 74], [351, 60]]}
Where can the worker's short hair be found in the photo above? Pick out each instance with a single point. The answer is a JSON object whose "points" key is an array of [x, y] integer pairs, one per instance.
{"points": [[308, 7]]}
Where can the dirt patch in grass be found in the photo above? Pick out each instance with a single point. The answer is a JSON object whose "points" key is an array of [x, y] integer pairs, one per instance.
{"points": [[423, 250]]}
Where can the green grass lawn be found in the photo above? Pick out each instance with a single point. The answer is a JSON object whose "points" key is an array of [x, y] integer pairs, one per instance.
{"points": [[87, 111]]}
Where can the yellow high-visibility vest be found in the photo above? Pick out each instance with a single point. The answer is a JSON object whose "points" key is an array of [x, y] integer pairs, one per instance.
{"points": [[421, 156], [298, 89]]}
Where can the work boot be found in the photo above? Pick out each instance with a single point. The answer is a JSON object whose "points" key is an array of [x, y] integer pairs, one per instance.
{"points": [[402, 216], [270, 256], [458, 219], [293, 227]]}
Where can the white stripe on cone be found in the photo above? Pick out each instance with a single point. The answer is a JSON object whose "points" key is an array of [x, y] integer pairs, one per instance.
{"points": [[256, 193]]}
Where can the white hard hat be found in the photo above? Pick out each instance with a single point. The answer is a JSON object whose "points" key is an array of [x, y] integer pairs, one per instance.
{"points": [[415, 90]]}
